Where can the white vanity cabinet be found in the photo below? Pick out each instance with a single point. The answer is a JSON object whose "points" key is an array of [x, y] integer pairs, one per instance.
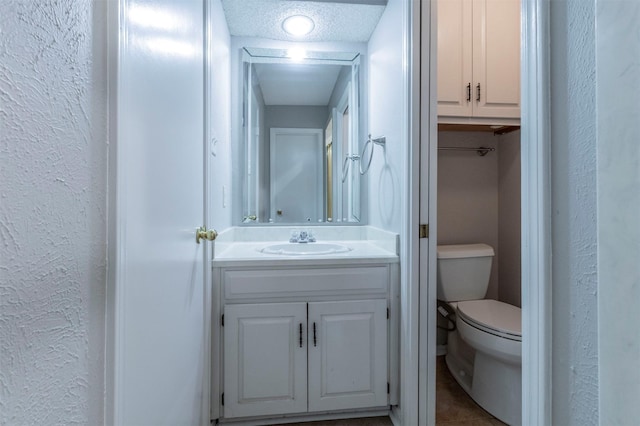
{"points": [[307, 340], [479, 61], [265, 359], [347, 355]]}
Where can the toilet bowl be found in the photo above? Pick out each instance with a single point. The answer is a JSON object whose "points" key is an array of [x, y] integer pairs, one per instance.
{"points": [[491, 326], [484, 351], [493, 330]]}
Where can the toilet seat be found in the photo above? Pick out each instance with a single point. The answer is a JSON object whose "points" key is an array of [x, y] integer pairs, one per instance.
{"points": [[493, 317]]}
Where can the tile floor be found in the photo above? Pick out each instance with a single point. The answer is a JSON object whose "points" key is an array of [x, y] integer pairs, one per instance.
{"points": [[453, 407], [365, 421]]}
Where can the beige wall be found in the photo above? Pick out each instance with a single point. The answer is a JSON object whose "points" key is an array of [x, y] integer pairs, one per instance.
{"points": [[479, 202], [509, 239], [468, 195]]}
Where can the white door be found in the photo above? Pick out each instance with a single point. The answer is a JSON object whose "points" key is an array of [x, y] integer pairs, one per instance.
{"points": [[347, 355], [454, 58], [156, 269], [496, 58], [265, 359], [297, 191]]}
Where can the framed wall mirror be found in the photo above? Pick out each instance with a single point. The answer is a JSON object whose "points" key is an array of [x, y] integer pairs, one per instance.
{"points": [[301, 117]]}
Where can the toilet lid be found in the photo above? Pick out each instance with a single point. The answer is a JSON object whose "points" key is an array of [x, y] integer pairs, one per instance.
{"points": [[458, 251], [493, 317]]}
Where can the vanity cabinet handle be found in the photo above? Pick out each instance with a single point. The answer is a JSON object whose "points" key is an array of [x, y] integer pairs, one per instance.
{"points": [[314, 335], [300, 334], [469, 92], [478, 88]]}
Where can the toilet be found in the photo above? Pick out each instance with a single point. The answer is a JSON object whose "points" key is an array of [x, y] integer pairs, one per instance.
{"points": [[484, 351]]}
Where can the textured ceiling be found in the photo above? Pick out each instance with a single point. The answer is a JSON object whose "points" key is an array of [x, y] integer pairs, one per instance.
{"points": [[333, 21]]}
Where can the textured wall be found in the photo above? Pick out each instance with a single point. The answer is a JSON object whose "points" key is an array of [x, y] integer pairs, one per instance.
{"points": [[618, 80], [52, 211], [574, 231]]}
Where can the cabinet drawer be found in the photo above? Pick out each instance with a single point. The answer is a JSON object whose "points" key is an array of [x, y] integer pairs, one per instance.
{"points": [[266, 283]]}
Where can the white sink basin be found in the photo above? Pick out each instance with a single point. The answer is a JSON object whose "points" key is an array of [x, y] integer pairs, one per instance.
{"points": [[305, 249]]}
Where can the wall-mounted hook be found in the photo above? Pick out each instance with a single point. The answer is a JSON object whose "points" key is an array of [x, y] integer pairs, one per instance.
{"points": [[382, 141]]}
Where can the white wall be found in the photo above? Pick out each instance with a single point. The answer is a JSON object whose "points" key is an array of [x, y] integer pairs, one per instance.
{"points": [[574, 218], [344, 78], [387, 117], [53, 143], [618, 110], [295, 116], [220, 114]]}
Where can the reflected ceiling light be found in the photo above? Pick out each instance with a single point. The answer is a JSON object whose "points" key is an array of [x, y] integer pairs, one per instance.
{"points": [[296, 53], [298, 25], [153, 17], [166, 47]]}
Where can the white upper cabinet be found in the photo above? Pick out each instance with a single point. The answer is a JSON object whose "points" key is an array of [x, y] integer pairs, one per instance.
{"points": [[479, 61], [454, 58]]}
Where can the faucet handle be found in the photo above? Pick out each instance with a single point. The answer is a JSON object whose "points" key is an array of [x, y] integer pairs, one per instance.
{"points": [[294, 237], [310, 237]]}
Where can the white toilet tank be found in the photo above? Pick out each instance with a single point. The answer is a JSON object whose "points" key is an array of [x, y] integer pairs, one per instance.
{"points": [[464, 271]]}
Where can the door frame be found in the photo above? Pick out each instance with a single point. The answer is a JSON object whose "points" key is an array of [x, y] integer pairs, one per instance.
{"points": [[536, 213], [343, 105], [536, 210]]}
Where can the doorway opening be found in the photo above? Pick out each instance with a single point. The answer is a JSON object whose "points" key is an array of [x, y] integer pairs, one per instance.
{"points": [[528, 151]]}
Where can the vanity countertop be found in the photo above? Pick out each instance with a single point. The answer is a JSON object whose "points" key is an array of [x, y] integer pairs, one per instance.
{"points": [[362, 252]]}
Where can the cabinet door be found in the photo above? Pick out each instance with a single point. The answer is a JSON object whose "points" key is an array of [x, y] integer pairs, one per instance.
{"points": [[496, 58], [454, 58], [347, 355], [265, 356]]}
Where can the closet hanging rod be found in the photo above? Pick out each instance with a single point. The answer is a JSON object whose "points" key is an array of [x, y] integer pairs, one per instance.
{"points": [[481, 150]]}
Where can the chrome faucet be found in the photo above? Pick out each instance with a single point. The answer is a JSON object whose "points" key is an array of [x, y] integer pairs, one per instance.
{"points": [[302, 237]]}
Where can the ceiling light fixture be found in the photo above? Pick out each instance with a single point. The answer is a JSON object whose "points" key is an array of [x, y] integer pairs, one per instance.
{"points": [[298, 25]]}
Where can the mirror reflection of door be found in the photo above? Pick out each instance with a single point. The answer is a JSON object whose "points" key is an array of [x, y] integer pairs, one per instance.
{"points": [[328, 143], [297, 189], [349, 185], [253, 156], [346, 183]]}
